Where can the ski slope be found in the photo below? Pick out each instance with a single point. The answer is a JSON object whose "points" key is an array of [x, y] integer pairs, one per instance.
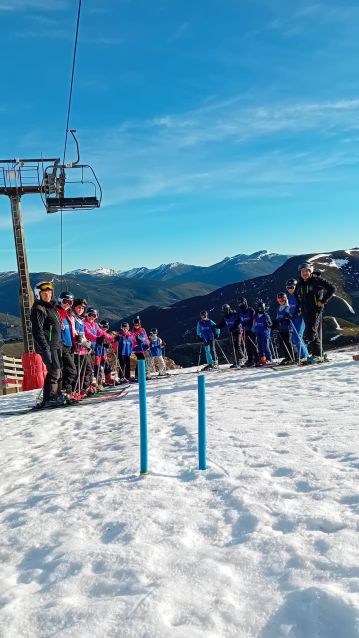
{"points": [[264, 544]]}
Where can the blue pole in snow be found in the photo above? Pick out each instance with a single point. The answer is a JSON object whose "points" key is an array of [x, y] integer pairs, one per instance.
{"points": [[143, 417], [202, 422]]}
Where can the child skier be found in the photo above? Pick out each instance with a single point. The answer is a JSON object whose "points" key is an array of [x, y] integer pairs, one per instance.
{"points": [[282, 324], [82, 347], [124, 350], [97, 336], [69, 371], [231, 321], [104, 363], [262, 329], [246, 317], [140, 342], [297, 324], [156, 353], [207, 331]]}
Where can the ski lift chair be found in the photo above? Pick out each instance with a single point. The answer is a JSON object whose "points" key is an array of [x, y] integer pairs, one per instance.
{"points": [[54, 181]]}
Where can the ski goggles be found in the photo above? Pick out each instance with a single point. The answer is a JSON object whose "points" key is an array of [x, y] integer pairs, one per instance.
{"points": [[290, 287], [46, 285], [281, 299]]}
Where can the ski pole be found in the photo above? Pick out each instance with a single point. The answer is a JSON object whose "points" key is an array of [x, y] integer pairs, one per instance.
{"points": [[285, 345], [234, 351], [218, 344], [215, 352], [321, 335], [199, 357], [301, 340], [243, 339]]}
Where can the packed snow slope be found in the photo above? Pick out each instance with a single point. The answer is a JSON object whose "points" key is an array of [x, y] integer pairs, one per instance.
{"points": [[263, 544]]}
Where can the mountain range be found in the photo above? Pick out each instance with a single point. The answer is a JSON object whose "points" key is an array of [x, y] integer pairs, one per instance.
{"points": [[229, 270], [118, 294]]}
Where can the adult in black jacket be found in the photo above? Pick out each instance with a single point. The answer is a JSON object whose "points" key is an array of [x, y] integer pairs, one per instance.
{"points": [[246, 316], [312, 292], [231, 321], [46, 330]]}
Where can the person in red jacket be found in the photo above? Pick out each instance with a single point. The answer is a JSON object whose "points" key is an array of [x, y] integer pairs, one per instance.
{"points": [[140, 342]]}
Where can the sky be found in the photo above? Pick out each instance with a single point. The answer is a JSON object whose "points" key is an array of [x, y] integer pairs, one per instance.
{"points": [[215, 128]]}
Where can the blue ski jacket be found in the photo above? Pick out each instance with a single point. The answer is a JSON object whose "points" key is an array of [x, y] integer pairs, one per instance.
{"points": [[262, 323], [246, 318], [206, 329], [125, 344], [283, 318], [155, 347], [293, 305], [231, 321]]}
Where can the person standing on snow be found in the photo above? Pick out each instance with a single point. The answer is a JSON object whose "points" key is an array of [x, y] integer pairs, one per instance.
{"points": [[282, 324], [262, 324], [231, 321], [207, 332], [104, 324], [313, 293], [124, 350], [156, 353], [297, 324], [97, 336], [69, 372], [82, 347], [246, 317], [140, 342], [46, 330]]}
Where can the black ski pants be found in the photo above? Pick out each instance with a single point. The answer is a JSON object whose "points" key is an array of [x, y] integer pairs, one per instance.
{"points": [[52, 383], [83, 363], [312, 330], [251, 346], [69, 371], [236, 343], [125, 365]]}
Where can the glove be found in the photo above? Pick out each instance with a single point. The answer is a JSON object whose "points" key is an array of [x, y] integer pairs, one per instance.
{"points": [[46, 357], [100, 340], [321, 305], [85, 343], [269, 325]]}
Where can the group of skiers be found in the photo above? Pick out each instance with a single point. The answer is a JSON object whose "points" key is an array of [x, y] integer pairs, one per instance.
{"points": [[295, 333], [74, 345]]}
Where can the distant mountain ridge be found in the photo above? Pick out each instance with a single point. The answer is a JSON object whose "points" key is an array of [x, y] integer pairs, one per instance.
{"points": [[228, 270]]}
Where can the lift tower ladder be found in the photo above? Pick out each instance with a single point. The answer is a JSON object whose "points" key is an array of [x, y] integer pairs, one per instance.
{"points": [[20, 177]]}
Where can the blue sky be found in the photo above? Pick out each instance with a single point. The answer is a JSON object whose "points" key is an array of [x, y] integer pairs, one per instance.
{"points": [[215, 127]]}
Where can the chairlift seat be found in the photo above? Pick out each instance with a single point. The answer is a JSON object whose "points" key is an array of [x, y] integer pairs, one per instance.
{"points": [[54, 204]]}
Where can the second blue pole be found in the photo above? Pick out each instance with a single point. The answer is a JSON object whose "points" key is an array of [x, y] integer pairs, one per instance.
{"points": [[143, 417], [202, 435]]}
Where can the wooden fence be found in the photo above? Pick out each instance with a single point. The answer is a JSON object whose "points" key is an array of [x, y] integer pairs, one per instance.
{"points": [[11, 375]]}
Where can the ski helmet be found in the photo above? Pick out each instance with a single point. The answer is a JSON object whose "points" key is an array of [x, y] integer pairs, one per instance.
{"points": [[125, 324], [306, 265], [80, 301], [261, 307], [204, 314], [65, 299], [226, 307], [154, 331], [41, 287], [291, 283], [137, 320], [243, 303], [91, 312], [282, 296], [104, 324]]}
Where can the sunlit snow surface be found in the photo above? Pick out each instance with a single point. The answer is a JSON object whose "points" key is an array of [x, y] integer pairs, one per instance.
{"points": [[264, 544]]}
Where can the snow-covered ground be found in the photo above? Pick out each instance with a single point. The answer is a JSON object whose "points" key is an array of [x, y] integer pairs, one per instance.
{"points": [[263, 544]]}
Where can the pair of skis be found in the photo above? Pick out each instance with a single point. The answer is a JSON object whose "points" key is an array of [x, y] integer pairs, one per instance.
{"points": [[100, 396]]}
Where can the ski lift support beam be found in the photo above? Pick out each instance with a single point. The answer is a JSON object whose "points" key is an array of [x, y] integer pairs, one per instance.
{"points": [[16, 180]]}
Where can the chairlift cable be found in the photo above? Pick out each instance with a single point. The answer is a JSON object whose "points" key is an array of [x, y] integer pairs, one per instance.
{"points": [[68, 118]]}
